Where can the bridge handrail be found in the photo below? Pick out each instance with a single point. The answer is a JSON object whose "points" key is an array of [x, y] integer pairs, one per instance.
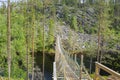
{"points": [[66, 58], [71, 70], [108, 70], [69, 59]]}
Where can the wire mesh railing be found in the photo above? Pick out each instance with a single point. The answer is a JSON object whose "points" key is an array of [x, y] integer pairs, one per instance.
{"points": [[73, 64]]}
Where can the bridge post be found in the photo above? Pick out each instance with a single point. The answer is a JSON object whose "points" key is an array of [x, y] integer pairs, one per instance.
{"points": [[54, 71], [97, 70], [81, 66], [64, 73], [75, 58]]}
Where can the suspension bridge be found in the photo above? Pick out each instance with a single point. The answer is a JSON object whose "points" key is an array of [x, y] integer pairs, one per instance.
{"points": [[67, 68]]}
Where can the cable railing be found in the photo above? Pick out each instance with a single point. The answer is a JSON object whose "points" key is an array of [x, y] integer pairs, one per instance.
{"points": [[73, 64]]}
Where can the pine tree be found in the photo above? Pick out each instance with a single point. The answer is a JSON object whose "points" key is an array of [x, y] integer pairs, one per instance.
{"points": [[33, 37], [44, 6], [51, 34], [74, 23], [9, 40], [103, 29]]}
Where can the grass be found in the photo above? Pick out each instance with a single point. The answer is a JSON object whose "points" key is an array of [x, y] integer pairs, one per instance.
{"points": [[4, 78], [93, 76]]}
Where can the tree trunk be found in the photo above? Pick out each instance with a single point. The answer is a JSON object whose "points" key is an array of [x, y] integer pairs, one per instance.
{"points": [[90, 65], [99, 36], [33, 54], [98, 54], [43, 39], [27, 57], [9, 39], [43, 53], [33, 39], [27, 53]]}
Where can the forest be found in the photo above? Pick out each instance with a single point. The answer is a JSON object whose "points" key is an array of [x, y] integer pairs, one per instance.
{"points": [[28, 30]]}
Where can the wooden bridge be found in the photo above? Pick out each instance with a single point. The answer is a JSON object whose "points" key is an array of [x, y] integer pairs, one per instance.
{"points": [[67, 68]]}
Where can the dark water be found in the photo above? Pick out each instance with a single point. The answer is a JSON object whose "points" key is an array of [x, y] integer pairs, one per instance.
{"points": [[49, 59], [48, 75]]}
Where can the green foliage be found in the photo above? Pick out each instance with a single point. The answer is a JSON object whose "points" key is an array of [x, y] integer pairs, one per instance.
{"points": [[3, 36], [71, 2], [74, 23], [108, 18], [81, 29], [51, 35], [66, 14]]}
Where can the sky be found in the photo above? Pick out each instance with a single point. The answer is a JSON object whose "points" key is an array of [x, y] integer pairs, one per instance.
{"points": [[17, 0], [6, 1]]}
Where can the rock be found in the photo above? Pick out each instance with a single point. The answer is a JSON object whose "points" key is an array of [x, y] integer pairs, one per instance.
{"points": [[37, 73]]}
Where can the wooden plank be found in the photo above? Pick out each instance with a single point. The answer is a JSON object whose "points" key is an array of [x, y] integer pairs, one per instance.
{"points": [[81, 67], [107, 70], [55, 75]]}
